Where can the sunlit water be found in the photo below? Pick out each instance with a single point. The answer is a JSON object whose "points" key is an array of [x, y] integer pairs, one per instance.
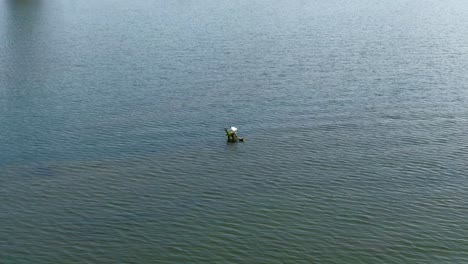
{"points": [[112, 147]]}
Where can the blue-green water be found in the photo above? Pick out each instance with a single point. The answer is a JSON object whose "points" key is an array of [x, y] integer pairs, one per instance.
{"points": [[112, 147]]}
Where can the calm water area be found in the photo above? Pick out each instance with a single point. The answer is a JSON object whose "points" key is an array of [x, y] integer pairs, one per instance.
{"points": [[112, 148]]}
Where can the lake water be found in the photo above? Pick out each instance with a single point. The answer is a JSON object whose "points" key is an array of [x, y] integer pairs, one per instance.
{"points": [[112, 147]]}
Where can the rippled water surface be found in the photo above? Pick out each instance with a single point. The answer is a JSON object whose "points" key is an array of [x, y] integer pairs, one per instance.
{"points": [[112, 147]]}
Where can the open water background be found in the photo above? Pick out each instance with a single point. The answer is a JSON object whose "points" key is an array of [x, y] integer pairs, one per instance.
{"points": [[112, 147]]}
